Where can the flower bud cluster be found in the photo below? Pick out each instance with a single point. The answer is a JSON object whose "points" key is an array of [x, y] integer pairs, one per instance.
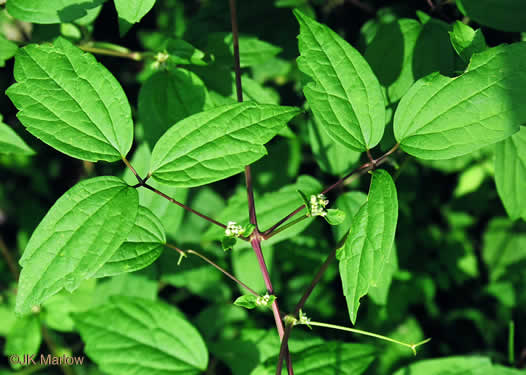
{"points": [[263, 300], [318, 204], [233, 229]]}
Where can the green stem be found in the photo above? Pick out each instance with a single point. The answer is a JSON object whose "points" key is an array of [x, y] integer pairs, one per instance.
{"points": [[283, 227], [136, 56], [375, 335]]}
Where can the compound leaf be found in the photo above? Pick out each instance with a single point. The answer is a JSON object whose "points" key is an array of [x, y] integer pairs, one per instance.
{"points": [[11, 143], [157, 337], [216, 144], [82, 231], [71, 102], [510, 174], [344, 95], [370, 241], [442, 117], [141, 248]]}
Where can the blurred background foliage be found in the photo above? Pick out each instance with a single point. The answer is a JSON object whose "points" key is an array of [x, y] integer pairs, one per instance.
{"points": [[459, 276]]}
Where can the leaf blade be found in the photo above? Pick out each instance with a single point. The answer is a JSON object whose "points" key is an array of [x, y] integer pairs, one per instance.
{"points": [[370, 242], [510, 174], [11, 143], [346, 99], [71, 102], [131, 12], [68, 245], [442, 118], [168, 97], [217, 143], [143, 245], [52, 11], [154, 332]]}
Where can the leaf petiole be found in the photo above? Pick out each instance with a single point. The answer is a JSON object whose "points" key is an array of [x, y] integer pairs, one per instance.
{"points": [[366, 333]]}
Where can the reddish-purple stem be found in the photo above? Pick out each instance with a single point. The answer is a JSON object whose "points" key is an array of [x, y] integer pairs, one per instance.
{"points": [[370, 165], [149, 187]]}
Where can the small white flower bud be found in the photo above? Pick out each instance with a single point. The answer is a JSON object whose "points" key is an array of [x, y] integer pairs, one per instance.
{"points": [[318, 204], [233, 229]]}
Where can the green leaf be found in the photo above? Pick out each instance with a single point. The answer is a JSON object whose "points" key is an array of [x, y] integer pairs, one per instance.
{"points": [[501, 370], [449, 366], [247, 301], [140, 284], [216, 144], [131, 11], [227, 243], [11, 143], [467, 41], [82, 231], [8, 319], [252, 51], [168, 213], [380, 291], [331, 156], [168, 97], [504, 248], [504, 15], [302, 5], [24, 338], [181, 53], [391, 55], [52, 11], [433, 51], [471, 178], [195, 275], [246, 267], [344, 94], [248, 229], [370, 241], [442, 117], [328, 358], [157, 337], [510, 174], [71, 102], [58, 308], [305, 201], [335, 216], [7, 50], [142, 247], [350, 203], [253, 90]]}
